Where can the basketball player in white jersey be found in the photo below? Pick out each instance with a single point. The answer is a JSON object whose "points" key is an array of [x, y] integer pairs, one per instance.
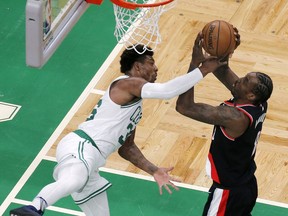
{"points": [[110, 127]]}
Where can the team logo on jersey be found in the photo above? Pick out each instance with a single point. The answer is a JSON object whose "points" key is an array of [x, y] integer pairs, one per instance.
{"points": [[8, 111]]}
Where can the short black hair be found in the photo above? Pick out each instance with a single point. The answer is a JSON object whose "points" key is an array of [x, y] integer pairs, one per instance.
{"points": [[130, 56], [263, 89]]}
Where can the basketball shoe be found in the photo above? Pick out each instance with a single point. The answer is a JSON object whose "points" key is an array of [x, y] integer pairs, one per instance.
{"points": [[26, 211]]}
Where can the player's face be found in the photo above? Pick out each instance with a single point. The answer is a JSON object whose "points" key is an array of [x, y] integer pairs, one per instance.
{"points": [[244, 86], [149, 69]]}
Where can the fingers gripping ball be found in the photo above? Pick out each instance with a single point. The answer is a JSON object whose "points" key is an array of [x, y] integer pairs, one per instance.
{"points": [[218, 38]]}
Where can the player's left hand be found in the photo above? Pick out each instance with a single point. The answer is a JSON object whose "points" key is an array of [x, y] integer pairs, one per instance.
{"points": [[163, 179]]}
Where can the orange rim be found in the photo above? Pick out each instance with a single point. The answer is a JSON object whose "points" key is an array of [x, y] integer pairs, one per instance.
{"points": [[133, 6]]}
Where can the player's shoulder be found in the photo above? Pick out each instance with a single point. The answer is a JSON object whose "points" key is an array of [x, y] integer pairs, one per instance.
{"points": [[131, 81]]}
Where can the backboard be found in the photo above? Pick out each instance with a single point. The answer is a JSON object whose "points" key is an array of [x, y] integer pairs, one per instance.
{"points": [[47, 24]]}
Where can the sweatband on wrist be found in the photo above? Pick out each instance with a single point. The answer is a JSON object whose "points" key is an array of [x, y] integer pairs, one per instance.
{"points": [[173, 87]]}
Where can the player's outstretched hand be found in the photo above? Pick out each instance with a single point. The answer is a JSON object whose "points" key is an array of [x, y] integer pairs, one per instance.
{"points": [[211, 64], [163, 179]]}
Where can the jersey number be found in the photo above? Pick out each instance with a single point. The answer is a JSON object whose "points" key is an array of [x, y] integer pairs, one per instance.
{"points": [[135, 118], [94, 111]]}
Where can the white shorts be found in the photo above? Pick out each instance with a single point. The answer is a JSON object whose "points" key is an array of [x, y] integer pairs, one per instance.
{"points": [[75, 149]]}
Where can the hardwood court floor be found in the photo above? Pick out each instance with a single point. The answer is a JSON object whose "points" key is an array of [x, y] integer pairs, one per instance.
{"points": [[169, 139]]}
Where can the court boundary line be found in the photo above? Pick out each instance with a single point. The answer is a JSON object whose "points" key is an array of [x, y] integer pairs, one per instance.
{"points": [[179, 184], [35, 163]]}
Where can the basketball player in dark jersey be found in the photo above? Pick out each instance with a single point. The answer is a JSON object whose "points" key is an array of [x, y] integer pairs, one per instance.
{"points": [[237, 127]]}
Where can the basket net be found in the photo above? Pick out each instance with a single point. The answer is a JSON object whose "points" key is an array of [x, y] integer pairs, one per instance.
{"points": [[139, 25]]}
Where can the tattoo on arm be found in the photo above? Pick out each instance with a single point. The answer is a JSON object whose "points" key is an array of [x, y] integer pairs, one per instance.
{"points": [[132, 153], [220, 115]]}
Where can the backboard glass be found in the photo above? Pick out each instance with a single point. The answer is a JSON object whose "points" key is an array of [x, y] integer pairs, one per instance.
{"points": [[47, 24]]}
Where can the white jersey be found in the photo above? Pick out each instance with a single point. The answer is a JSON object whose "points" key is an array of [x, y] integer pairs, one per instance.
{"points": [[110, 124]]}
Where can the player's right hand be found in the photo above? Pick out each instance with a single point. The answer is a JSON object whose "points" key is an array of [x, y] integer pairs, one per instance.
{"points": [[197, 54], [237, 37]]}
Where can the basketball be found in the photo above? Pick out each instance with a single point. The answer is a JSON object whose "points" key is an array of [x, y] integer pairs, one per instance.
{"points": [[218, 38]]}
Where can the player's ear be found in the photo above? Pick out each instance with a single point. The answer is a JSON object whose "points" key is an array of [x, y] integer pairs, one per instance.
{"points": [[251, 96], [137, 66]]}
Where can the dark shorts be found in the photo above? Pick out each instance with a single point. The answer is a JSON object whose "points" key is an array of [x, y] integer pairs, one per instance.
{"points": [[236, 201]]}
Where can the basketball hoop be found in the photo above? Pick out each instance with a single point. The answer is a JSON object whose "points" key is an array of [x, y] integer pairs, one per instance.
{"points": [[137, 22]]}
